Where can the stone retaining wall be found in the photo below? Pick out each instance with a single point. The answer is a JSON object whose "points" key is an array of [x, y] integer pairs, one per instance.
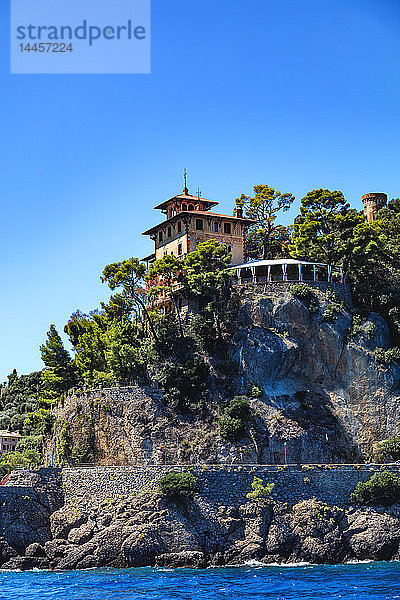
{"points": [[222, 485], [279, 287]]}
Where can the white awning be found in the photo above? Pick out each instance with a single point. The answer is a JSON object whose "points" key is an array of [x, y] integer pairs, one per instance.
{"points": [[279, 261]]}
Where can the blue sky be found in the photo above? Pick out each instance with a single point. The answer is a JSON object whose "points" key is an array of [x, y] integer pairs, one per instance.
{"points": [[297, 94]]}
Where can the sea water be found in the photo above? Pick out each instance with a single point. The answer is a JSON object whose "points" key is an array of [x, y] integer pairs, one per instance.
{"points": [[372, 581]]}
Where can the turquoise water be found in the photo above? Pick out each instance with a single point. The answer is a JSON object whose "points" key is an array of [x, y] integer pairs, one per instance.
{"points": [[372, 581]]}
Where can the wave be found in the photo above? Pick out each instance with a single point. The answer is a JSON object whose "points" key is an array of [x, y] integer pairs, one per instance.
{"points": [[361, 562], [253, 563]]}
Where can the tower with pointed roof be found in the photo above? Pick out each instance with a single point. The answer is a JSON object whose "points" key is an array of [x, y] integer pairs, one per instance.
{"points": [[190, 220]]}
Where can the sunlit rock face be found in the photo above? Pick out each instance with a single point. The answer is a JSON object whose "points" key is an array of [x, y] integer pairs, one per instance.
{"points": [[315, 372]]}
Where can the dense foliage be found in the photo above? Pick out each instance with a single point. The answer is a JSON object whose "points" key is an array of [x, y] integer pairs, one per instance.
{"points": [[305, 293], [178, 485], [266, 238], [388, 450], [182, 384], [383, 489], [18, 399], [328, 230], [233, 422], [261, 493]]}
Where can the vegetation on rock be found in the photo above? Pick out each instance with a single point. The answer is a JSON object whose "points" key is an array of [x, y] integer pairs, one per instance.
{"points": [[382, 489], [385, 357], [260, 492], [233, 422], [182, 384], [388, 450], [305, 293], [255, 391], [267, 238], [178, 485], [127, 340]]}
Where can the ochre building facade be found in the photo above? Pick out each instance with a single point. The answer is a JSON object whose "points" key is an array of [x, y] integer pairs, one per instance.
{"points": [[189, 220]]}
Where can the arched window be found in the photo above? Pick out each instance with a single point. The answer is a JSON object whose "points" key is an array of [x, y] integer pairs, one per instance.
{"points": [[229, 248], [184, 206], [191, 207]]}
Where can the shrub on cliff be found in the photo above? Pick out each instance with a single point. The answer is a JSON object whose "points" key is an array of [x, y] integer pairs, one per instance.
{"points": [[306, 294], [230, 428], [183, 384], [239, 408], [260, 492], [383, 489], [178, 485], [233, 422], [201, 328], [334, 308], [385, 357], [390, 449], [255, 391]]}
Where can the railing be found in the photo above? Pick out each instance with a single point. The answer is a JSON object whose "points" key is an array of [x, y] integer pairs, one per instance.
{"points": [[273, 466], [264, 280]]}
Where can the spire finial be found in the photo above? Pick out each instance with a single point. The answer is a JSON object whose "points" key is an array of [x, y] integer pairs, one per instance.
{"points": [[185, 189], [198, 193]]}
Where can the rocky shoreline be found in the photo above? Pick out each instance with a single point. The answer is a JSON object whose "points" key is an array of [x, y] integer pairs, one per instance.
{"points": [[152, 530], [319, 400]]}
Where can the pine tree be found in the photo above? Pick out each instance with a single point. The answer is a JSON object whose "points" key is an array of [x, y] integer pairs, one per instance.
{"points": [[59, 375]]}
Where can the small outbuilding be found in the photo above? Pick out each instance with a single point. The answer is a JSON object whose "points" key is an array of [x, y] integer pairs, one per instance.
{"points": [[8, 441]]}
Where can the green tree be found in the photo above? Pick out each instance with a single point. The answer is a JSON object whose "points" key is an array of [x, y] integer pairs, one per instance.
{"points": [[264, 207], [59, 375], [122, 350], [324, 227], [278, 243], [117, 308], [53, 352], [90, 353], [178, 485], [80, 323], [128, 275], [365, 263], [18, 398], [206, 269], [206, 272], [161, 275], [86, 335]]}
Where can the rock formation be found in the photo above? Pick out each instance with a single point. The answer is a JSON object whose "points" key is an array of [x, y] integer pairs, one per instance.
{"points": [[324, 398], [151, 530], [324, 394]]}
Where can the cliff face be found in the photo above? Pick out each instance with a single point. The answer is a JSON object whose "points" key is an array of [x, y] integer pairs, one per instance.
{"points": [[26, 506], [293, 352], [325, 398]]}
